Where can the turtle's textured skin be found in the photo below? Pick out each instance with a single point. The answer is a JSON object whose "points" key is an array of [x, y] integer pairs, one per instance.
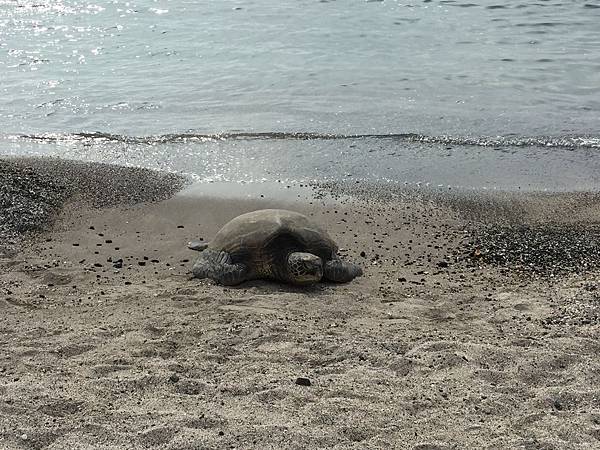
{"points": [[273, 244]]}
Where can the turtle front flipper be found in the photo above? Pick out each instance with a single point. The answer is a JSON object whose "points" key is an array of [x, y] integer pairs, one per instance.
{"points": [[219, 267], [341, 271], [197, 246]]}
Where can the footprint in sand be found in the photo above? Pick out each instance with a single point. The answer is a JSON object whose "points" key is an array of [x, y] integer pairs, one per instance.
{"points": [[62, 407], [57, 279], [157, 436]]}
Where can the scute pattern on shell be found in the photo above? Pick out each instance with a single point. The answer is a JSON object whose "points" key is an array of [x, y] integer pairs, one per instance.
{"points": [[262, 238]]}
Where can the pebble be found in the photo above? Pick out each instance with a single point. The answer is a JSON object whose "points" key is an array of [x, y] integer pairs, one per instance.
{"points": [[301, 381]]}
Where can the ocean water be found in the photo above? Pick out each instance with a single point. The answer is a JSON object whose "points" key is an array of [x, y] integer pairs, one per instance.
{"points": [[465, 93]]}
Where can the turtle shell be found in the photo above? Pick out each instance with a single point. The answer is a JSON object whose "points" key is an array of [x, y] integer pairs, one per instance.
{"points": [[263, 239]]}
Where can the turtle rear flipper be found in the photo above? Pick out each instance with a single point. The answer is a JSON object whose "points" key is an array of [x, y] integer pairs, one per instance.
{"points": [[197, 245], [219, 267], [341, 271]]}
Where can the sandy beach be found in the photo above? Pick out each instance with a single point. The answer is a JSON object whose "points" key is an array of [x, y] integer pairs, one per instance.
{"points": [[475, 325]]}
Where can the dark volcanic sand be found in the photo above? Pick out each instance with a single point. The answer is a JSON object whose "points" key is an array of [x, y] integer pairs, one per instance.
{"points": [[34, 190], [105, 341]]}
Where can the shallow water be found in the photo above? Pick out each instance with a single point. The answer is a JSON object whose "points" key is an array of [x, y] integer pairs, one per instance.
{"points": [[483, 93], [554, 166]]}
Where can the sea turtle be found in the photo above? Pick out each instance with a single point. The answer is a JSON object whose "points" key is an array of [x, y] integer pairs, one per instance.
{"points": [[275, 244]]}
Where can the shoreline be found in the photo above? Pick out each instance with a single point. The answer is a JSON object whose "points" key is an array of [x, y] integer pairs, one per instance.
{"points": [[106, 341]]}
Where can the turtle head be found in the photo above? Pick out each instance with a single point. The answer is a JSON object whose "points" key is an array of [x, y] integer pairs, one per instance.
{"points": [[305, 268]]}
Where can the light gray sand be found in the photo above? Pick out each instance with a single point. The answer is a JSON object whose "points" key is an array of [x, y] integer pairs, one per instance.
{"points": [[463, 356]]}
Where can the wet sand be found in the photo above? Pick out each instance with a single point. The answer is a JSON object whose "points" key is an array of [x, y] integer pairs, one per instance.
{"points": [[457, 336]]}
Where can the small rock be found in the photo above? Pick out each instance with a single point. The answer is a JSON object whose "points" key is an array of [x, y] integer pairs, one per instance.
{"points": [[443, 263], [363, 254], [174, 378], [301, 381], [558, 405]]}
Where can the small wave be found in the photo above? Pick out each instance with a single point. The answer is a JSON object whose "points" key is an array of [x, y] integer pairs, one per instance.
{"points": [[568, 142]]}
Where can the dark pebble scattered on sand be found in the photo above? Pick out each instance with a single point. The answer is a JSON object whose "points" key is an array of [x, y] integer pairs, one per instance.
{"points": [[544, 250], [301, 381]]}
